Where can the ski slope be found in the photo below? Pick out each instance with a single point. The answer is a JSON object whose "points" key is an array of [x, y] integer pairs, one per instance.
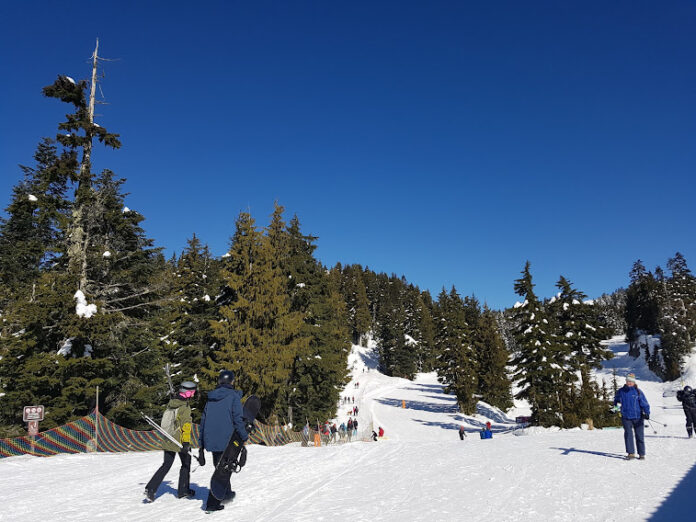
{"points": [[420, 471]]}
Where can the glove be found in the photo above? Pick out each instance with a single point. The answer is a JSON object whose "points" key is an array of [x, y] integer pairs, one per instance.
{"points": [[201, 456], [249, 427], [186, 447], [646, 416]]}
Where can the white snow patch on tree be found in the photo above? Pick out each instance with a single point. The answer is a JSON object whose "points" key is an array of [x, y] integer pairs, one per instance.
{"points": [[106, 254], [126, 209], [32, 198], [82, 309], [70, 79], [66, 347], [206, 297]]}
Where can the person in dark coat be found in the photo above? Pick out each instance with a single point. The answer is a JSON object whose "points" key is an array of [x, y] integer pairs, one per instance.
{"points": [[178, 413], [634, 408], [222, 416], [462, 432], [688, 399]]}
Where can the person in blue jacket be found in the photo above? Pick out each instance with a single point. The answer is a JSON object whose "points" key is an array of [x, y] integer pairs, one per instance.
{"points": [[221, 417], [634, 408]]}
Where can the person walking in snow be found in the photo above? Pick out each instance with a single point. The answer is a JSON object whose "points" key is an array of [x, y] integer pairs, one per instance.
{"points": [[634, 408], [381, 432], [688, 399], [350, 429], [177, 422], [222, 417], [462, 432], [355, 428]]}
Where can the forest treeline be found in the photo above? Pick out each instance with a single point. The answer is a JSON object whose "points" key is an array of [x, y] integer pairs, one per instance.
{"points": [[87, 300]]}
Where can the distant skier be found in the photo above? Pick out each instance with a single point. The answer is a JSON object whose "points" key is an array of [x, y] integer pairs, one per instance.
{"points": [[222, 416], [381, 432], [688, 399], [374, 436], [177, 422], [634, 408], [462, 432]]}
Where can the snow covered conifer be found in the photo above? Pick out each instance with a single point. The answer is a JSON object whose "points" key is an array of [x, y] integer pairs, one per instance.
{"points": [[537, 373]]}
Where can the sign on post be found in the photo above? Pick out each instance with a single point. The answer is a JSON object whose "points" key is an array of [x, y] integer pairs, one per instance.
{"points": [[33, 428], [33, 413]]}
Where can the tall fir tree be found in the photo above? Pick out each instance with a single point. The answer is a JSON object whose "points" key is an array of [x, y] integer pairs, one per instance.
{"points": [[494, 385], [457, 365], [538, 374], [258, 334]]}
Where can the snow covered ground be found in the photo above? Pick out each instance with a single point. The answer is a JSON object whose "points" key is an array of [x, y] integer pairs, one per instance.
{"points": [[420, 471]]}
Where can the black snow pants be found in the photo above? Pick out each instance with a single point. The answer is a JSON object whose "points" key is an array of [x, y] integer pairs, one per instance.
{"points": [[212, 502], [184, 472], [690, 419]]}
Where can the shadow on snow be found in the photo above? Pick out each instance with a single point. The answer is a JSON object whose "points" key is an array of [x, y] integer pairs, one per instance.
{"points": [[679, 504], [568, 451]]}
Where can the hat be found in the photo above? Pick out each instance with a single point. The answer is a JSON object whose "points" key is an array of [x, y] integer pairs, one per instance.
{"points": [[187, 386], [631, 377]]}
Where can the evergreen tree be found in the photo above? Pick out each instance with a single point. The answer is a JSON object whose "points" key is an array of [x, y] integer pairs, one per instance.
{"points": [[319, 372], [676, 321], [258, 334], [642, 306], [494, 385], [538, 374], [457, 365]]}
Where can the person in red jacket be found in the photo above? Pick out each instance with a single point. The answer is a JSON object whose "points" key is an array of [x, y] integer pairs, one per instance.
{"points": [[381, 431]]}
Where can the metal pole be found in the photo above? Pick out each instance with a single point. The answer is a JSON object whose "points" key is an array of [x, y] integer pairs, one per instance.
{"points": [[96, 423]]}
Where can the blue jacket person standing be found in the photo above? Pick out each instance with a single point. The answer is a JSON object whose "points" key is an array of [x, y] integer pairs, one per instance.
{"points": [[221, 417], [634, 408]]}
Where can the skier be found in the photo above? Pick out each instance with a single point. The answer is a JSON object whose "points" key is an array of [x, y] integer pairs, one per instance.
{"points": [[177, 422], [222, 416], [374, 436], [462, 432], [381, 432], [688, 399], [634, 408]]}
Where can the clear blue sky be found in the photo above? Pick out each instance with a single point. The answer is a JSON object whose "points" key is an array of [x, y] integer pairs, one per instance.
{"points": [[445, 141]]}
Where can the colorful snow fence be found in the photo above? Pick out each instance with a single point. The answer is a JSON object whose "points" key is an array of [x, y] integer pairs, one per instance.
{"points": [[95, 432]]}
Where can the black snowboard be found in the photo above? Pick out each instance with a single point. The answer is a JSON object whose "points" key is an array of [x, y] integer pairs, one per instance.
{"points": [[228, 464]]}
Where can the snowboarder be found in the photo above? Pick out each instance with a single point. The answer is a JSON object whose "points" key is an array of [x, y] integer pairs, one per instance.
{"points": [[374, 436], [688, 399], [177, 422], [222, 417], [462, 432], [634, 408]]}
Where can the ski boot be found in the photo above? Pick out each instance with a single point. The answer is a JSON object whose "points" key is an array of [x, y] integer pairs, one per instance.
{"points": [[641, 457], [149, 495], [630, 456]]}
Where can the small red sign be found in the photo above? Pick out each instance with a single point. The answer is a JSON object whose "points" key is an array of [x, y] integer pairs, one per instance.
{"points": [[33, 427], [33, 413]]}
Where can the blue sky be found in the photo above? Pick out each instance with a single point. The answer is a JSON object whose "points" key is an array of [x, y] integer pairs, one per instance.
{"points": [[446, 141]]}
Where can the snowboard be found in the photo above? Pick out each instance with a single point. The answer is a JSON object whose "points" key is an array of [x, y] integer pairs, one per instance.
{"points": [[229, 463]]}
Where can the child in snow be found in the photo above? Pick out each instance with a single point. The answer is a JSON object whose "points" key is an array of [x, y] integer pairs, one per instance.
{"points": [[486, 433], [177, 422], [688, 399], [634, 408], [462, 432]]}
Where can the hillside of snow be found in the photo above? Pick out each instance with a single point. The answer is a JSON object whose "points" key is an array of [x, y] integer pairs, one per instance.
{"points": [[419, 471]]}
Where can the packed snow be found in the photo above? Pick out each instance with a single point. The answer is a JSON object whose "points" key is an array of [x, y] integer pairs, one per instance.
{"points": [[420, 470]]}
